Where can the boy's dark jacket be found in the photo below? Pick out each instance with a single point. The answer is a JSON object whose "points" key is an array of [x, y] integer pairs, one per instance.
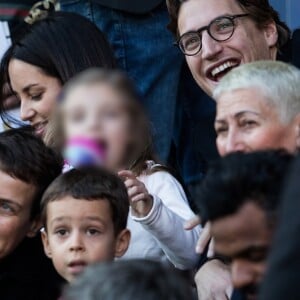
{"points": [[27, 274]]}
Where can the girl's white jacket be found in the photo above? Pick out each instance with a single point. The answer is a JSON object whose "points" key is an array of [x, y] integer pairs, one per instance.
{"points": [[160, 235]]}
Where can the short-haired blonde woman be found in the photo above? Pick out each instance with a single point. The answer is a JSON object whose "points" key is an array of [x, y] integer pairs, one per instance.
{"points": [[258, 107]]}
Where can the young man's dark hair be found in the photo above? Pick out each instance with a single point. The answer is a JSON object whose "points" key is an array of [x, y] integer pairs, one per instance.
{"points": [[126, 280], [259, 10], [240, 178], [25, 157], [27, 167], [91, 183]]}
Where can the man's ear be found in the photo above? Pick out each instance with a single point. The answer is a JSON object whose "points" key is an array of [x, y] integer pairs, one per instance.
{"points": [[122, 243], [45, 240], [271, 34], [35, 227]]}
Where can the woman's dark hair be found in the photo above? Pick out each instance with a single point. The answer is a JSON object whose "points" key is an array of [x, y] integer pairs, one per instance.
{"points": [[259, 10], [62, 44]]}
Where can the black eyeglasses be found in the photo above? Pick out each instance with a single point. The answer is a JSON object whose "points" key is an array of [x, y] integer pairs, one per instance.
{"points": [[220, 29]]}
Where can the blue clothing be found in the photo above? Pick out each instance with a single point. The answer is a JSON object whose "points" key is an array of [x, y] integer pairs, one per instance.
{"points": [[181, 114], [144, 49], [132, 6]]}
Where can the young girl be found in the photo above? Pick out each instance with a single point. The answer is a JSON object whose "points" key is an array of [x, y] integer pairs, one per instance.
{"points": [[103, 106]]}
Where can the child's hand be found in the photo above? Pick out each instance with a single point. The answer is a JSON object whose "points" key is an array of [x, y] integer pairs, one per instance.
{"points": [[140, 200]]}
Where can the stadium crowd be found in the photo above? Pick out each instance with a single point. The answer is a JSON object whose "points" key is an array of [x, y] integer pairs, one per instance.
{"points": [[149, 150]]}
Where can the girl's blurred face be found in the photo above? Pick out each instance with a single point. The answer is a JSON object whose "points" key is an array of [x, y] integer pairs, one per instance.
{"points": [[36, 91], [98, 112]]}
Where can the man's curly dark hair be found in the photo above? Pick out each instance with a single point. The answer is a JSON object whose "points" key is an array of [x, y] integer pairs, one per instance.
{"points": [[239, 178]]}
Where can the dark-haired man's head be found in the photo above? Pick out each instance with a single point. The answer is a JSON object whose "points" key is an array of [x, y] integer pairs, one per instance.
{"points": [[27, 167], [127, 280], [240, 197], [85, 213], [217, 36]]}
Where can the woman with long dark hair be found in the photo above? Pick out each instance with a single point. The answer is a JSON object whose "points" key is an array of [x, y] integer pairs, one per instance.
{"points": [[44, 57]]}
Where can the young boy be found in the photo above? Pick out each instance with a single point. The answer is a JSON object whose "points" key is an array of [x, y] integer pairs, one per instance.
{"points": [[27, 167], [85, 213]]}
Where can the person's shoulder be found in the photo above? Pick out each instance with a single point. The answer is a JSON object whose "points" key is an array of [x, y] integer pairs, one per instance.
{"points": [[159, 175]]}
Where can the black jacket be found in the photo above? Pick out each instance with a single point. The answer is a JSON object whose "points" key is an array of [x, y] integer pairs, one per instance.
{"points": [[27, 274]]}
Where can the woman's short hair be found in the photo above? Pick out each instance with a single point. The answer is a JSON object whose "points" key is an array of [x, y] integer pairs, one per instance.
{"points": [[279, 82]]}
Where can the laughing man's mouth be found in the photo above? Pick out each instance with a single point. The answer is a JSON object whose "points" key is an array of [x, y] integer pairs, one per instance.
{"points": [[218, 72]]}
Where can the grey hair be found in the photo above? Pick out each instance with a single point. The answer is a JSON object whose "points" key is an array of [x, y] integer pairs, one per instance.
{"points": [[278, 81]]}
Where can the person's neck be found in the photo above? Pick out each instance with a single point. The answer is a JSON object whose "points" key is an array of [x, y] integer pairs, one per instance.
{"points": [[274, 53]]}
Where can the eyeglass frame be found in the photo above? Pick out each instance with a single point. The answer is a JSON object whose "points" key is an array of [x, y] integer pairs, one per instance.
{"points": [[207, 28]]}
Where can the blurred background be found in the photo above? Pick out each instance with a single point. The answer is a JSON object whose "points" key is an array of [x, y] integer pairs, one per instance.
{"points": [[289, 11]]}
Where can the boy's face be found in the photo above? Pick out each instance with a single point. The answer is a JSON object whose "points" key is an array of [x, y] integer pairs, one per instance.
{"points": [[16, 198], [79, 233]]}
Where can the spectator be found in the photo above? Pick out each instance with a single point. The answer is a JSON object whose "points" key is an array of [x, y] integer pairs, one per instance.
{"points": [[253, 32], [50, 52], [126, 280], [258, 107], [27, 167], [85, 215], [240, 197]]}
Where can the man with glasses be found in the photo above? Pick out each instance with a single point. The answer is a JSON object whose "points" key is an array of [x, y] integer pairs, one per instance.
{"points": [[215, 37]]}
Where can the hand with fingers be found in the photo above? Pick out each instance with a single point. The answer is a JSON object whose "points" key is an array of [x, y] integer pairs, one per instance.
{"points": [[205, 236], [213, 281], [141, 201]]}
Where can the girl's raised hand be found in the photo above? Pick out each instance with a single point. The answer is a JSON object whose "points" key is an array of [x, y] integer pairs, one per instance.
{"points": [[141, 201]]}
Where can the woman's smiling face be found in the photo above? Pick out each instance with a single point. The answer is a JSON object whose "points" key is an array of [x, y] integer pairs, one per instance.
{"points": [[247, 121], [37, 92]]}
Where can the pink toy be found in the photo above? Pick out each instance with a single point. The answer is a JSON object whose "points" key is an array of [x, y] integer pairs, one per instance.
{"points": [[81, 151]]}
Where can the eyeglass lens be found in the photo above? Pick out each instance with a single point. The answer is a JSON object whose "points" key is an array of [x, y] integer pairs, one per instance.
{"points": [[220, 30]]}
